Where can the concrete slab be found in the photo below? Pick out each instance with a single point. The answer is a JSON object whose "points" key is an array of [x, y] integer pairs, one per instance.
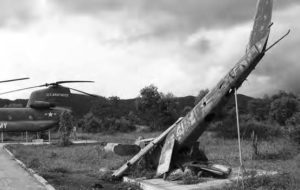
{"points": [[13, 176], [209, 183]]}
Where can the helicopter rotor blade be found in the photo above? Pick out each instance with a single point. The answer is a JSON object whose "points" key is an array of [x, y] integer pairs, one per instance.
{"points": [[53, 84], [14, 80], [70, 81], [21, 89], [95, 96]]}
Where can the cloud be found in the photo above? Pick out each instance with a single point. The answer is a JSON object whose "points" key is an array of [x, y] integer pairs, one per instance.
{"points": [[17, 14], [280, 68], [125, 45], [169, 17]]}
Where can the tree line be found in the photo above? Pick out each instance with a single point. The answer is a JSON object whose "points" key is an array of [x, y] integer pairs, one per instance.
{"points": [[267, 116]]}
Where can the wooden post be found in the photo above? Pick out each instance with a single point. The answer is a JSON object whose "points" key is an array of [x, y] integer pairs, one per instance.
{"points": [[2, 136], [26, 136], [49, 136]]}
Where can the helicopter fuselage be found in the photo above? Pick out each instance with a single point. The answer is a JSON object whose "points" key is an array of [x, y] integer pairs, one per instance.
{"points": [[28, 119]]}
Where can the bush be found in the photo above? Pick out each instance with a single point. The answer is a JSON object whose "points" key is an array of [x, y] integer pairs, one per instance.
{"points": [[295, 134], [92, 123], [66, 123], [228, 129]]}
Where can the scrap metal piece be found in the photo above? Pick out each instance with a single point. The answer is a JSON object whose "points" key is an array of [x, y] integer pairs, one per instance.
{"points": [[186, 131], [165, 157], [144, 151], [214, 169], [122, 149]]}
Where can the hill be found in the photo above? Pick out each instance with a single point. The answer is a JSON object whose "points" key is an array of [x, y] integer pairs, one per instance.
{"points": [[82, 104]]}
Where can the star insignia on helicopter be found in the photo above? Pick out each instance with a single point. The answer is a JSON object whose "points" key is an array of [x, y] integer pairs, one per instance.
{"points": [[50, 114]]}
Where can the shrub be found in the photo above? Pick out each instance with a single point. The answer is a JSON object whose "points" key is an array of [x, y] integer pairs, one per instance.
{"points": [[295, 134], [34, 163], [66, 123], [228, 129]]}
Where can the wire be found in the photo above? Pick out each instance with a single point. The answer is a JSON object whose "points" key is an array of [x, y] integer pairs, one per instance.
{"points": [[239, 138]]}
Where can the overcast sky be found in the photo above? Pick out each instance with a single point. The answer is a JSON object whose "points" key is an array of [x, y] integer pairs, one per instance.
{"points": [[125, 45]]}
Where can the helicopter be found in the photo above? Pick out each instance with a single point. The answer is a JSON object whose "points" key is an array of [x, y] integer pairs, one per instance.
{"points": [[177, 147], [43, 109]]}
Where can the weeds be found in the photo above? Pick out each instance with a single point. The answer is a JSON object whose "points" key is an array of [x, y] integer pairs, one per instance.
{"points": [[191, 179], [66, 166], [59, 170], [34, 163], [278, 182]]}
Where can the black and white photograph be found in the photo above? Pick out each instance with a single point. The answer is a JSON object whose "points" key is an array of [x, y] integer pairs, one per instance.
{"points": [[150, 95]]}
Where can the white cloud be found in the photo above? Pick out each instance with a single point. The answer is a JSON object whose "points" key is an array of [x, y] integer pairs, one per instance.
{"points": [[108, 49]]}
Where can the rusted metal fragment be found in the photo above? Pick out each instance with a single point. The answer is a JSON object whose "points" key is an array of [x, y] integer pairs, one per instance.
{"points": [[122, 149]]}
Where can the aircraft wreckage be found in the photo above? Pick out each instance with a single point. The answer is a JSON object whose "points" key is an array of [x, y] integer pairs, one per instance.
{"points": [[177, 147]]}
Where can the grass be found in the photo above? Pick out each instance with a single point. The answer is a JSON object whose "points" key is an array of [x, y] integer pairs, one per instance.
{"points": [[77, 166], [281, 155], [81, 166]]}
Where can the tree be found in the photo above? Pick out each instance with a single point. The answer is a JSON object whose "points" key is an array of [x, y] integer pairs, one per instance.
{"points": [[149, 98], [259, 109], [156, 108], [294, 120], [283, 106], [148, 104], [114, 100], [167, 108], [66, 124], [200, 95]]}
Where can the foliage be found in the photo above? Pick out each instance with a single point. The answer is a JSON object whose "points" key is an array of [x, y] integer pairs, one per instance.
{"points": [[114, 100], [200, 95], [186, 110], [294, 120], [13, 105], [92, 123], [295, 134], [157, 109], [283, 106], [66, 124], [107, 115], [259, 109], [227, 128], [264, 116]]}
